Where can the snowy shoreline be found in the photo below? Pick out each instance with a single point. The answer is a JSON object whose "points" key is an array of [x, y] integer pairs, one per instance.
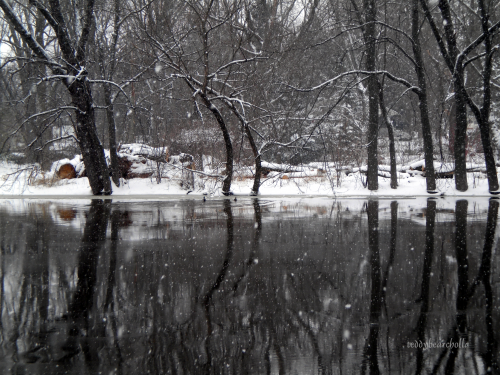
{"points": [[276, 185], [147, 189]]}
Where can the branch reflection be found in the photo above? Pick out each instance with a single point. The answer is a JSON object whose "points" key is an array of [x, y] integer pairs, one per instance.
{"points": [[257, 286]]}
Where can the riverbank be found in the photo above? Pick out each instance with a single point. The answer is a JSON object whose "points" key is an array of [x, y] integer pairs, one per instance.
{"points": [[23, 183]]}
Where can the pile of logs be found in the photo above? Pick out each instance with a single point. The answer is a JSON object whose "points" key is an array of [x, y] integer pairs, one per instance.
{"points": [[133, 162]]}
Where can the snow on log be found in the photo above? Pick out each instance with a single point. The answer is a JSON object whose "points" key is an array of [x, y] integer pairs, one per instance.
{"points": [[137, 160], [159, 154], [283, 168], [442, 170], [67, 169], [134, 161], [186, 160], [133, 166]]}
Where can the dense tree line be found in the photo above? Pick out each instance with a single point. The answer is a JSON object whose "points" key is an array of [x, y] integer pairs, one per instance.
{"points": [[279, 80]]}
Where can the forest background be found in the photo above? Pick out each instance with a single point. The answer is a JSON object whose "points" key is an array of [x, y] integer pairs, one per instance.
{"points": [[371, 85]]}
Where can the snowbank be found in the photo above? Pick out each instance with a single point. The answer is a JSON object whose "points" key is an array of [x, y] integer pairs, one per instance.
{"points": [[166, 175], [25, 183]]}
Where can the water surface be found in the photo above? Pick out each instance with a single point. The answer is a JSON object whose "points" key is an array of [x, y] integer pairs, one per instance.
{"points": [[311, 286]]}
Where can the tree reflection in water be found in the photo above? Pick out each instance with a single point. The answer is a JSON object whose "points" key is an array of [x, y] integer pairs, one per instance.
{"points": [[424, 298], [254, 287], [371, 348]]}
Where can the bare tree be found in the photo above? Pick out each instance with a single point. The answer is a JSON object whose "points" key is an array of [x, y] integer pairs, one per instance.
{"points": [[370, 16], [73, 74], [422, 100], [455, 58]]}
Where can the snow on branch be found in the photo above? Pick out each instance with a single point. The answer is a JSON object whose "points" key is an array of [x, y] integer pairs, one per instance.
{"points": [[51, 113], [461, 56], [218, 176], [28, 38], [392, 77], [273, 142], [105, 81], [42, 147], [235, 62], [133, 12]]}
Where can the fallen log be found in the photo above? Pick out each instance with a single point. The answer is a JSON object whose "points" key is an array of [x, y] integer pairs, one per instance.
{"points": [[66, 171]]}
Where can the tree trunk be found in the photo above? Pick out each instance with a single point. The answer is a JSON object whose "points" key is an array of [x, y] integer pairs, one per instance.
{"points": [[258, 165], [372, 174], [113, 156], [450, 55], [73, 76], [460, 135], [423, 104], [92, 151], [483, 115], [390, 131], [489, 157], [460, 97], [226, 185]]}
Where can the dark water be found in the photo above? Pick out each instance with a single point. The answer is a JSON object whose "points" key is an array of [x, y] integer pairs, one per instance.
{"points": [[249, 287]]}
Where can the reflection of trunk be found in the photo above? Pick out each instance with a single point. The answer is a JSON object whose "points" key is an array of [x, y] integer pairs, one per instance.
{"points": [[116, 218], [115, 224], [272, 344], [426, 276], [375, 297], [484, 275], [255, 244], [38, 247], [392, 254], [463, 281], [491, 348], [93, 238], [462, 262], [41, 277], [207, 299], [314, 342], [18, 319], [2, 284]]}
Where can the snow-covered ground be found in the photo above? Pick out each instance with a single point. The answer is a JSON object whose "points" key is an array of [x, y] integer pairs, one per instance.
{"points": [[26, 183]]}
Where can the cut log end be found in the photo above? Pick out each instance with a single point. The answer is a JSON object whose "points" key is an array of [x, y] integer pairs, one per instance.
{"points": [[66, 171]]}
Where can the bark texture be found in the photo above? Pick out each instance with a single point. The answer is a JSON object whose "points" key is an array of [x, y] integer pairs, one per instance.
{"points": [[423, 103], [372, 139]]}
